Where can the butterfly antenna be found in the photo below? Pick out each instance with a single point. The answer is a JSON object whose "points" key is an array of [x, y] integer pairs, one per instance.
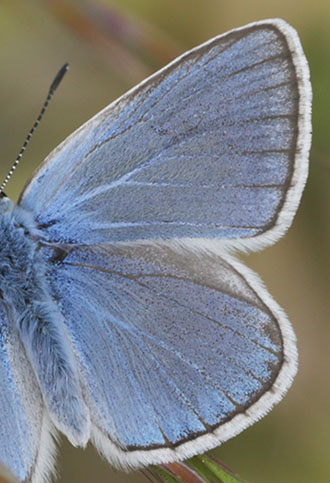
{"points": [[51, 91]]}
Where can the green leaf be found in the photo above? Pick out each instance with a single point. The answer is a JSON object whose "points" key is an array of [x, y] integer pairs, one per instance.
{"points": [[200, 469], [210, 469]]}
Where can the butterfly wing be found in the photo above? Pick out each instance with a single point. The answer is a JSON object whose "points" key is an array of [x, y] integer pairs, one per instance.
{"points": [[178, 352], [27, 448], [214, 145]]}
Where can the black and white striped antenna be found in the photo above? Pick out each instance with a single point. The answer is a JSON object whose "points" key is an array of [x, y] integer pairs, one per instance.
{"points": [[51, 91]]}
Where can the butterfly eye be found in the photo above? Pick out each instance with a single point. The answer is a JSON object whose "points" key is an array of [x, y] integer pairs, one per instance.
{"points": [[5, 203]]}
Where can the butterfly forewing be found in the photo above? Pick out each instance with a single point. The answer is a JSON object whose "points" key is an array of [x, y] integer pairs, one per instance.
{"points": [[206, 148], [24, 424]]}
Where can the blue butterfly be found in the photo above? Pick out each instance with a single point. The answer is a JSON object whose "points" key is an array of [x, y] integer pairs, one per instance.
{"points": [[125, 319]]}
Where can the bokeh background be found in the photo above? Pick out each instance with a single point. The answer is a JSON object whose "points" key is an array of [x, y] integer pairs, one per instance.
{"points": [[111, 45]]}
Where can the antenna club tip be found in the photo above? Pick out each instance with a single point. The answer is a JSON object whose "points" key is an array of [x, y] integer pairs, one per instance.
{"points": [[59, 76]]}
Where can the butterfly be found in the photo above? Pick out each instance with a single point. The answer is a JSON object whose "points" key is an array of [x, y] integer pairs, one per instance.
{"points": [[125, 317]]}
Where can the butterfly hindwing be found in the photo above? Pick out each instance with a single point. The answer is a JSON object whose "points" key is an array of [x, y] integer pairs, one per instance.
{"points": [[177, 350]]}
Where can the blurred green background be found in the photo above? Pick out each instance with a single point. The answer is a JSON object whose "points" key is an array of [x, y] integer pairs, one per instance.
{"points": [[113, 45]]}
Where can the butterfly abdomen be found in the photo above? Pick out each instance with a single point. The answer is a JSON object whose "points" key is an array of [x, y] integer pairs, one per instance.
{"points": [[32, 312]]}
